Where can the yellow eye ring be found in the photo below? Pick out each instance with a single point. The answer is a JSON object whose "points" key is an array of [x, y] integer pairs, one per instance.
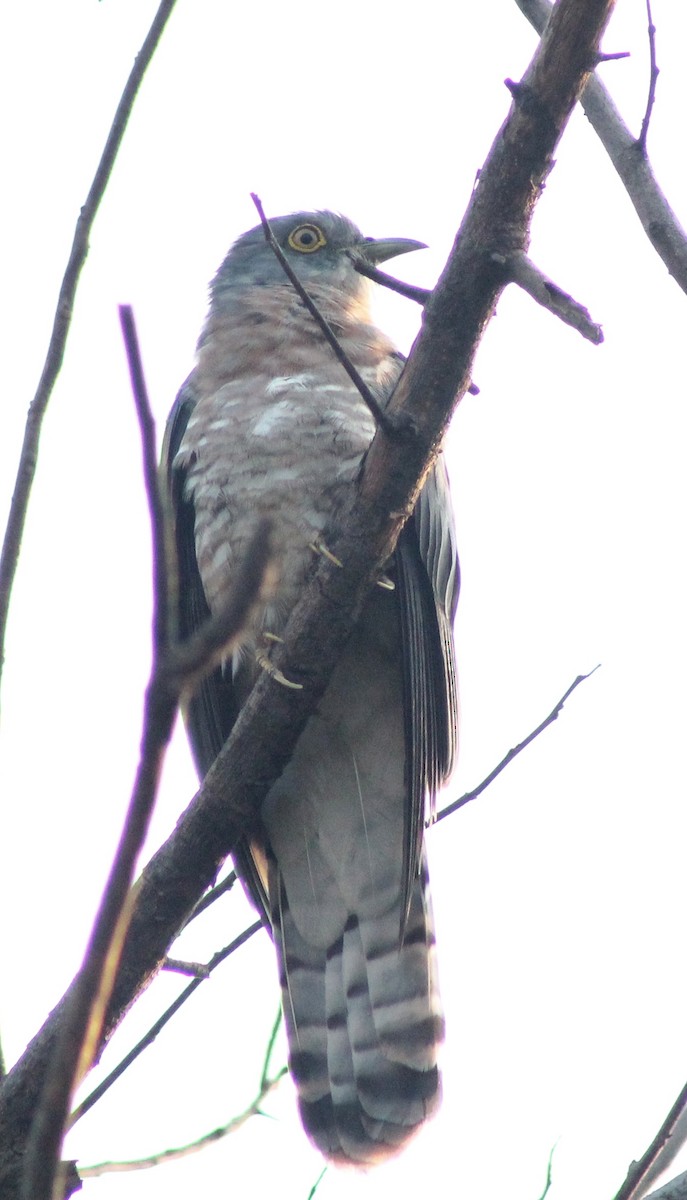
{"points": [[307, 239]]}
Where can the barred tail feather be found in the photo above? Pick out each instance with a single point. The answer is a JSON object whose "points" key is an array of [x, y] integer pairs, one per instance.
{"points": [[364, 1022]]}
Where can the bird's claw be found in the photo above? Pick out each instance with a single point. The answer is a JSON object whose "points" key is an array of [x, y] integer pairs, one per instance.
{"points": [[273, 671], [319, 547]]}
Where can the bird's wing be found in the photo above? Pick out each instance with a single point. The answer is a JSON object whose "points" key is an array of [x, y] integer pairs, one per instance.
{"points": [[210, 713], [213, 708], [428, 580]]}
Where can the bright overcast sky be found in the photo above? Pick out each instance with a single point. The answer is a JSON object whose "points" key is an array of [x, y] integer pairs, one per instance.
{"points": [[559, 894]]}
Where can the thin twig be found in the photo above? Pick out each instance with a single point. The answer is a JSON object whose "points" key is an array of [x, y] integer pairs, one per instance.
{"points": [[354, 375], [549, 1173], [317, 1183], [179, 966], [653, 80], [208, 1139], [521, 270], [603, 58], [214, 894], [270, 1048], [146, 425], [641, 1173], [149, 1037], [419, 294], [62, 320], [468, 796]]}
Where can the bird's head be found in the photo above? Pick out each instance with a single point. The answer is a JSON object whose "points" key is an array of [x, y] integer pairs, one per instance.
{"points": [[322, 248]]}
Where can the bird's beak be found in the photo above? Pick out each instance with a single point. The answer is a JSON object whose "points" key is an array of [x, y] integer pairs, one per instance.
{"points": [[378, 250]]}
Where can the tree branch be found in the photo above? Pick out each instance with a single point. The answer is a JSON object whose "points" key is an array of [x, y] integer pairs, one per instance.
{"points": [[80, 1034], [521, 270], [146, 424], [419, 294], [653, 80], [63, 316], [468, 796], [437, 372], [157, 1027], [676, 1189], [201, 1143], [214, 894], [267, 1085], [659, 1154], [659, 222]]}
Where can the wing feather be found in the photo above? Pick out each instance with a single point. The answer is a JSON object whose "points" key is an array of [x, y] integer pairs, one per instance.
{"points": [[428, 580], [210, 714]]}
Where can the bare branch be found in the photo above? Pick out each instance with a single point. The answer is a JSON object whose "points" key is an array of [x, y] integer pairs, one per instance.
{"points": [[521, 270], [653, 80], [419, 294], [676, 1189], [146, 425], [317, 1183], [468, 796], [208, 1139], [354, 375], [670, 1138], [549, 1173], [179, 966], [63, 316], [602, 58], [270, 1048], [149, 1037], [214, 894], [627, 155], [172, 669], [80, 1035]]}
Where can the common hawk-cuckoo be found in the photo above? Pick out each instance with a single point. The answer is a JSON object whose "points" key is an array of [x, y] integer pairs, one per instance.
{"points": [[269, 424]]}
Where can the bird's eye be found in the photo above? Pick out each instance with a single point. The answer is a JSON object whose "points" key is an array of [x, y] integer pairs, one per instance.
{"points": [[307, 238]]}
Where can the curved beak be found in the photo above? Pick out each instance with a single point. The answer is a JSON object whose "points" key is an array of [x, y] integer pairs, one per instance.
{"points": [[378, 250]]}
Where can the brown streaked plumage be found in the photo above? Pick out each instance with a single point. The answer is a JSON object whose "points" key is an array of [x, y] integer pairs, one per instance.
{"points": [[269, 424]]}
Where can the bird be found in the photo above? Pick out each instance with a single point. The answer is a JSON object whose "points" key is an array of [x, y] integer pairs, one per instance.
{"points": [[269, 425]]}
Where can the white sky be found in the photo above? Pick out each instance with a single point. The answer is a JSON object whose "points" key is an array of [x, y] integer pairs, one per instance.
{"points": [[559, 893]]}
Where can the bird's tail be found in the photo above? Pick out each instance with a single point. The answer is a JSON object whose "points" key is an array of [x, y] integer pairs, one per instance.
{"points": [[364, 1023]]}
